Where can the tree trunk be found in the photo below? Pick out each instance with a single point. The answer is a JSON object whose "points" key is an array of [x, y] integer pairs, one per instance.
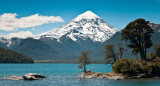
{"points": [[84, 68], [141, 54], [145, 52], [114, 59], [120, 53]]}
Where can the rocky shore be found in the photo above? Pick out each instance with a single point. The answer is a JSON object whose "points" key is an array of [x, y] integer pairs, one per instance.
{"points": [[28, 76], [113, 76]]}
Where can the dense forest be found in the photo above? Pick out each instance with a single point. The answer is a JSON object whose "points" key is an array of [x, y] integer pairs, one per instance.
{"points": [[9, 56]]}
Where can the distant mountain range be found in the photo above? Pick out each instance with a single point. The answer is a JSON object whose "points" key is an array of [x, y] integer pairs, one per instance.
{"points": [[86, 32]]}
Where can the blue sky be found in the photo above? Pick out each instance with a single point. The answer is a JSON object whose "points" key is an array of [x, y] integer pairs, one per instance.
{"points": [[117, 13]]}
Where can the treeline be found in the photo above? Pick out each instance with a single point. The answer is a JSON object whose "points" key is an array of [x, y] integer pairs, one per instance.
{"points": [[138, 34], [9, 56]]}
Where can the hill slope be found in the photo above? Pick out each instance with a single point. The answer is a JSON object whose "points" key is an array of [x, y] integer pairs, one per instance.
{"points": [[33, 48], [9, 56]]}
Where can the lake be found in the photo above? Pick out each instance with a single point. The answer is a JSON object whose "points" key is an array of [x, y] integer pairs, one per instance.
{"points": [[65, 75]]}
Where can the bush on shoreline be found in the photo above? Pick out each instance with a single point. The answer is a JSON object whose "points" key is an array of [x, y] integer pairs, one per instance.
{"points": [[131, 67]]}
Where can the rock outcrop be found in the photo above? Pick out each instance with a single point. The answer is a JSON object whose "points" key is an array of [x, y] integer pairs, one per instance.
{"points": [[112, 76], [13, 78], [28, 76], [33, 76]]}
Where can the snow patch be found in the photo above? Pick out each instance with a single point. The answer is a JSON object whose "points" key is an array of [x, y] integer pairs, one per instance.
{"points": [[86, 15]]}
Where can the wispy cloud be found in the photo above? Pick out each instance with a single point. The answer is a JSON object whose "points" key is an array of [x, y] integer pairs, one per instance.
{"points": [[21, 34], [9, 22]]}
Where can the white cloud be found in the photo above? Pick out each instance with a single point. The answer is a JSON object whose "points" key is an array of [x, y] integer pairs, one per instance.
{"points": [[21, 34], [9, 22]]}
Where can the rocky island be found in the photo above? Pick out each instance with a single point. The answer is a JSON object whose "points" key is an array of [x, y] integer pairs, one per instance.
{"points": [[113, 76], [98, 75], [28, 76]]}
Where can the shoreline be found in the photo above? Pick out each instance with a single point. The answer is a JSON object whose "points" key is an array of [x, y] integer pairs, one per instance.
{"points": [[112, 76]]}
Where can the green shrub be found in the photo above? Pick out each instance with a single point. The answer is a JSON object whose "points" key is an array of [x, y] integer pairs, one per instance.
{"points": [[121, 66], [151, 57], [146, 67], [135, 67], [156, 67]]}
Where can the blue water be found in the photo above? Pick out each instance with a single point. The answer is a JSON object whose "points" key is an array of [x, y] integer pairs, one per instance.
{"points": [[64, 75]]}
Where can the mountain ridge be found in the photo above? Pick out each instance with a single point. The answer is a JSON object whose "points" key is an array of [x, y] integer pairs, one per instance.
{"points": [[85, 25]]}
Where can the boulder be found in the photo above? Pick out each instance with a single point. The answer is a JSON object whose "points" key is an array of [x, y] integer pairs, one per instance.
{"points": [[116, 77], [142, 76], [82, 75], [33, 76], [89, 74], [13, 78], [29, 76]]}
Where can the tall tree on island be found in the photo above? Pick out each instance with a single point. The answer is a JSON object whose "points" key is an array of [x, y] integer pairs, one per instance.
{"points": [[84, 60], [139, 34], [110, 55], [121, 49]]}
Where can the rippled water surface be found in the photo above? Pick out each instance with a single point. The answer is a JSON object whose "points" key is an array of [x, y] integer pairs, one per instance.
{"points": [[64, 75]]}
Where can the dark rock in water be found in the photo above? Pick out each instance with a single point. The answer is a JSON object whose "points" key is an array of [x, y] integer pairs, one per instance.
{"points": [[33, 76], [13, 78]]}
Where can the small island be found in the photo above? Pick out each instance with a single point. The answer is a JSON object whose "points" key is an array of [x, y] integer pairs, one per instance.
{"points": [[138, 35], [10, 56], [28, 76]]}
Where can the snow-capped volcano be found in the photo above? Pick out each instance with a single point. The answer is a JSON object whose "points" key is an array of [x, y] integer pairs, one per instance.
{"points": [[86, 15], [84, 26]]}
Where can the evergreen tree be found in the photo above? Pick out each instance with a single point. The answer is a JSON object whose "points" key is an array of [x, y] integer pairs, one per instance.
{"points": [[84, 60], [121, 50], [110, 55], [139, 34]]}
